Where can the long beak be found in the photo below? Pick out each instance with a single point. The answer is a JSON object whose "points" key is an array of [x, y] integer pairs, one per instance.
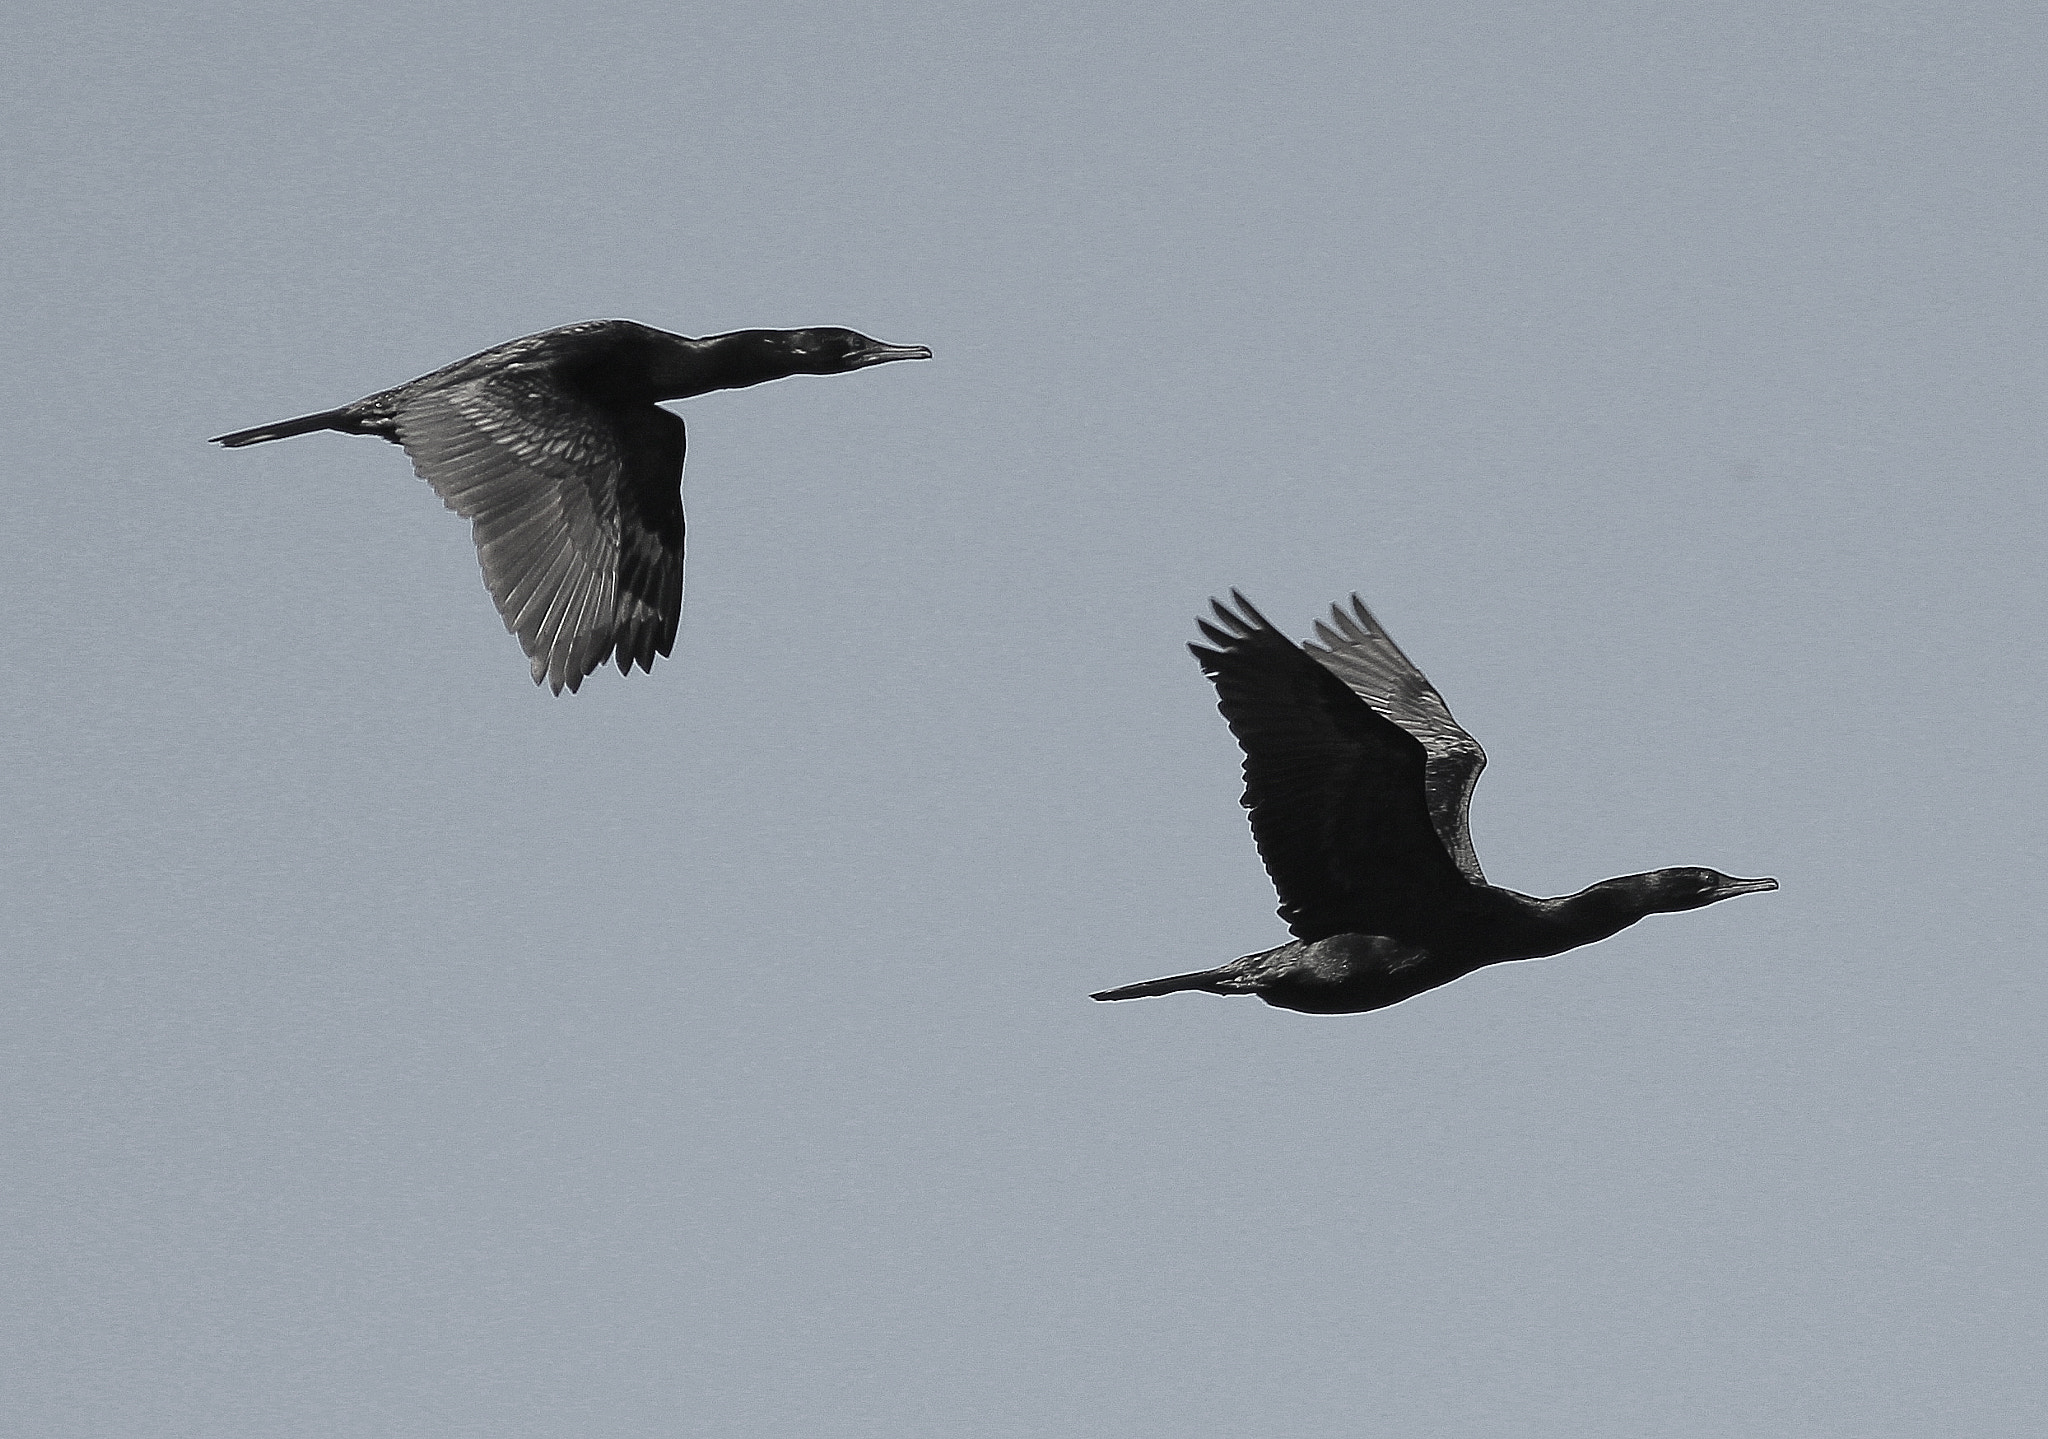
{"points": [[1745, 886], [882, 354]]}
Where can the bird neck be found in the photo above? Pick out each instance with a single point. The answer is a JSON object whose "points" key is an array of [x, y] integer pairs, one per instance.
{"points": [[684, 367], [1594, 913]]}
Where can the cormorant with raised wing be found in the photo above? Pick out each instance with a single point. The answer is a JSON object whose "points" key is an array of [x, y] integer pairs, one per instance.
{"points": [[553, 447], [1358, 781]]}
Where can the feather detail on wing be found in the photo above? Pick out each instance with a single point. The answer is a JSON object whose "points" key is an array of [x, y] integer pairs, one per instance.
{"points": [[1335, 789], [576, 510], [1357, 650]]}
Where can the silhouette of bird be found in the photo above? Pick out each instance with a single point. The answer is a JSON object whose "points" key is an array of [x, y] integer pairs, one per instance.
{"points": [[1358, 781], [553, 447]]}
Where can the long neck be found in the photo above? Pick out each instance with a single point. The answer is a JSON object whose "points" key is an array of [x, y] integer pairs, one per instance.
{"points": [[1592, 914], [680, 367]]}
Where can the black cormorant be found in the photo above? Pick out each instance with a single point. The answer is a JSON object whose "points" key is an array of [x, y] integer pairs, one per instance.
{"points": [[1358, 781], [570, 473]]}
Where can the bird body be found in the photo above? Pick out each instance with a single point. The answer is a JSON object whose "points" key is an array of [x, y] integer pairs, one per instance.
{"points": [[1358, 781], [555, 448]]}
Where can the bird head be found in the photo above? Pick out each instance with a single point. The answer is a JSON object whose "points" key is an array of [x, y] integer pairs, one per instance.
{"points": [[832, 351], [1671, 890]]}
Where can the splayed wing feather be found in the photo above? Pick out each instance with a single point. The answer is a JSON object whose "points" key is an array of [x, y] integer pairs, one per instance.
{"points": [[558, 631], [538, 602]]}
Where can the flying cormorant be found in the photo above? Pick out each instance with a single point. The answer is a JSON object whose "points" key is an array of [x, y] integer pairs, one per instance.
{"points": [[1358, 781], [571, 475]]}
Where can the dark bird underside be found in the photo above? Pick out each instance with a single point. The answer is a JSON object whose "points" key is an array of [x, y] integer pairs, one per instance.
{"points": [[1359, 782], [570, 473]]}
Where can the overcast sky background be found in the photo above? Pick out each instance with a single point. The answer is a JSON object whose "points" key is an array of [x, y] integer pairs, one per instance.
{"points": [[392, 1049]]}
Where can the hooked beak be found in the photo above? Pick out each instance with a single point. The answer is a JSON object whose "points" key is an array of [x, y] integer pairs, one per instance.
{"points": [[882, 354], [1745, 886]]}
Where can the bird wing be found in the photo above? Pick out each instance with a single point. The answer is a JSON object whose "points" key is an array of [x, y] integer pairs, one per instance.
{"points": [[576, 509], [1357, 649], [1335, 789]]}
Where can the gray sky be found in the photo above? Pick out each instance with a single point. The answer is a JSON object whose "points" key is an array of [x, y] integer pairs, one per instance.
{"points": [[391, 1049]]}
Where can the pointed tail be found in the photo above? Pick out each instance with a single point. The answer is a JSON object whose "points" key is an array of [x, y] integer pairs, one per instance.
{"points": [[283, 429], [1209, 979]]}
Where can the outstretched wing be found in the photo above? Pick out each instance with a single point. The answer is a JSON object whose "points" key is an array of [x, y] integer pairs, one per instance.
{"points": [[1335, 790], [1358, 650], [576, 509]]}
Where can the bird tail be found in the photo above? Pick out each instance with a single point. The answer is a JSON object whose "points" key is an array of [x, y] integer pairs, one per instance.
{"points": [[1213, 980], [283, 429]]}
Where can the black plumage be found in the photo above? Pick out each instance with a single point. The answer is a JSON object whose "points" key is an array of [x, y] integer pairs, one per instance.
{"points": [[1358, 781], [570, 473]]}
